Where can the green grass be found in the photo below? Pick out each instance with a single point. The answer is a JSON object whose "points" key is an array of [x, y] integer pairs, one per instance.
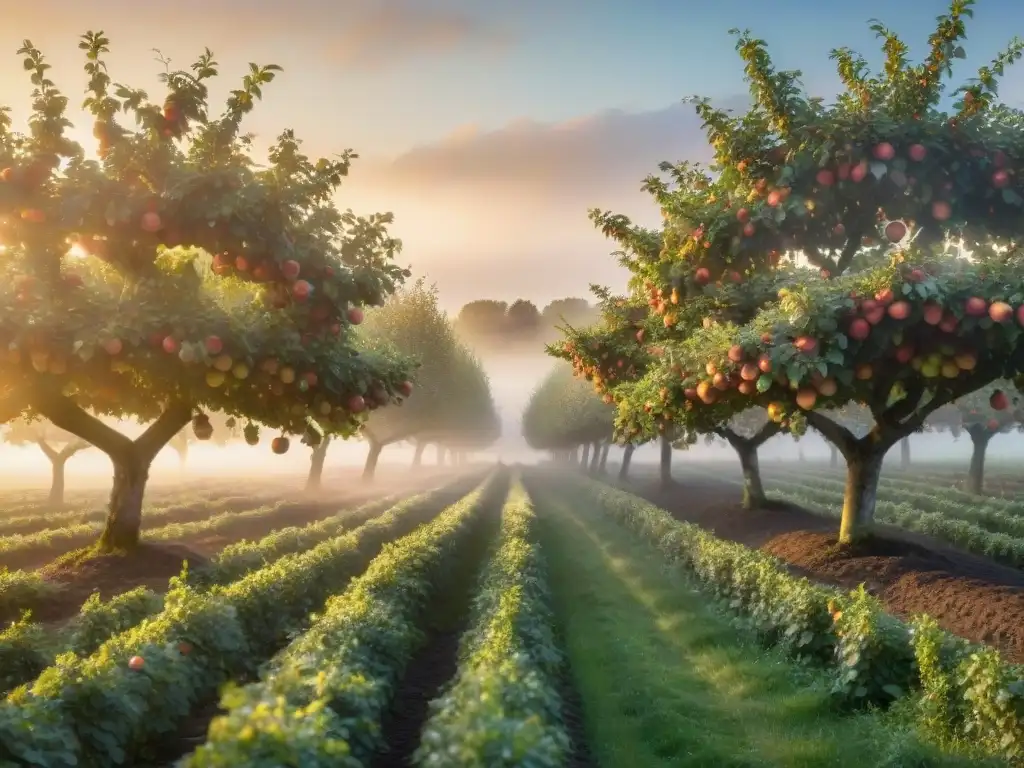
{"points": [[666, 680]]}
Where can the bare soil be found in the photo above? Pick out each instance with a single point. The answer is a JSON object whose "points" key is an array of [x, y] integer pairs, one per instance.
{"points": [[968, 595]]}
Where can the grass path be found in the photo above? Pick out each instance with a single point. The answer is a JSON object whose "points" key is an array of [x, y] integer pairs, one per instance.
{"points": [[667, 681]]}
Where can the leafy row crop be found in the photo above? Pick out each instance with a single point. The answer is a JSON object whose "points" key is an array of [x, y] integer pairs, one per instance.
{"points": [[103, 710], [961, 533], [320, 702], [930, 482], [27, 648], [995, 517], [503, 708], [875, 657], [22, 589]]}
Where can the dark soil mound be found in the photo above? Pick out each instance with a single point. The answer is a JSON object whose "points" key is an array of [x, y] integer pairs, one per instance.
{"points": [[968, 595]]}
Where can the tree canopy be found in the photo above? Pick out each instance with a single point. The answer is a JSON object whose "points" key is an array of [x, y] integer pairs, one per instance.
{"points": [[869, 190], [490, 323], [564, 413], [453, 403], [171, 273]]}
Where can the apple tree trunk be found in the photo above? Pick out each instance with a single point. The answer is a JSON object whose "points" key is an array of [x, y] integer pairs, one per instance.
{"points": [[863, 470], [595, 457], [905, 453], [585, 457], [602, 466], [665, 464], [753, 488], [627, 457], [372, 456], [56, 498], [980, 439], [417, 457], [316, 464]]}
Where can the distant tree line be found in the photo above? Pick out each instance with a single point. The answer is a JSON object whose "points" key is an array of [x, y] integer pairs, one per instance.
{"points": [[487, 322]]}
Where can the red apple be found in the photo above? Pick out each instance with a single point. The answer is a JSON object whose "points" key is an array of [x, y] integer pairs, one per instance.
{"points": [[884, 296], [895, 231], [993, 425], [151, 222], [242, 264], [301, 290], [280, 445], [405, 388], [749, 229], [876, 315], [916, 276], [884, 151], [825, 178], [905, 353], [976, 306], [356, 404], [774, 198], [806, 344], [290, 269], [858, 172], [899, 310], [1000, 312], [949, 323], [941, 210], [170, 345], [736, 353], [1020, 314], [999, 401], [213, 344], [721, 381], [827, 387], [764, 363], [860, 329], [917, 152], [735, 277], [806, 398], [749, 372], [702, 276], [742, 215], [355, 315], [113, 346], [932, 313], [747, 388], [136, 662], [864, 371], [1000, 179]]}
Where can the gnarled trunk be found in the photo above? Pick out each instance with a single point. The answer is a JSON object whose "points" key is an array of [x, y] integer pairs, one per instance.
{"points": [[370, 467], [124, 513], [665, 463], [417, 457], [863, 470], [627, 457], [980, 438], [905, 453], [316, 464]]}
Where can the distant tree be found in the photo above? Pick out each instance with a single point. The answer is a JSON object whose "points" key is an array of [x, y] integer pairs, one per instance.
{"points": [[484, 317], [522, 318], [58, 446], [573, 311]]}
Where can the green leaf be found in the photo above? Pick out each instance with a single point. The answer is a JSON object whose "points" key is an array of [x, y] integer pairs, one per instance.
{"points": [[922, 290], [907, 289], [1012, 198], [841, 340], [959, 52]]}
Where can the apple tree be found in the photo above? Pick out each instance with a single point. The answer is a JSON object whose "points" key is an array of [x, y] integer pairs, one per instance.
{"points": [[170, 274], [56, 444], [882, 165], [565, 415], [983, 414], [453, 400]]}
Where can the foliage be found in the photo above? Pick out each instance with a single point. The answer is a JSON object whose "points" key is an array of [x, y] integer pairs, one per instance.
{"points": [[977, 413], [564, 412], [872, 654], [487, 322], [37, 431], [522, 318], [503, 707], [453, 394], [356, 649], [195, 277], [98, 711]]}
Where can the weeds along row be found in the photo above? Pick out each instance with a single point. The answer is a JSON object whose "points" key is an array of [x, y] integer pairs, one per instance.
{"points": [[996, 515], [957, 691], [116, 704], [956, 528], [326, 699]]}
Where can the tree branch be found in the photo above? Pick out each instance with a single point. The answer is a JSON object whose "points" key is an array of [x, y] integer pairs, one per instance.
{"points": [[765, 433], [46, 449], [894, 415], [835, 433], [853, 244], [66, 414], [72, 448], [174, 418]]}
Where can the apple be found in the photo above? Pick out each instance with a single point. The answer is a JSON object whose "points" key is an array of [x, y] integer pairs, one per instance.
{"points": [[916, 276], [999, 401], [966, 361], [1000, 312], [806, 344], [215, 378], [895, 231], [905, 353], [240, 371], [828, 387], [884, 151], [151, 222], [405, 388], [932, 313], [774, 198], [993, 425], [136, 662], [280, 445], [941, 210], [706, 393], [825, 178], [858, 172], [747, 388], [711, 368], [721, 381], [187, 354], [113, 346], [899, 310], [736, 353], [749, 372], [743, 215], [949, 323], [356, 404], [764, 363], [884, 296], [287, 374], [223, 363], [860, 329], [839, 230], [976, 306], [749, 229], [1000, 179], [776, 411], [766, 338], [310, 378], [690, 393], [864, 371], [875, 316], [355, 315], [702, 276], [735, 277], [290, 269], [214, 346], [301, 290], [917, 152], [806, 398]]}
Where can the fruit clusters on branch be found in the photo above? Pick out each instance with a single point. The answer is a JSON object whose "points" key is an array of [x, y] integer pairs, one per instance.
{"points": [[174, 267]]}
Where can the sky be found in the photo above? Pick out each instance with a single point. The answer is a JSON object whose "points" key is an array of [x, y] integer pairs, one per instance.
{"points": [[488, 129]]}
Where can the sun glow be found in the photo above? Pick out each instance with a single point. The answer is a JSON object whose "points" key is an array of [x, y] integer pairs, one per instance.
{"points": [[77, 252]]}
